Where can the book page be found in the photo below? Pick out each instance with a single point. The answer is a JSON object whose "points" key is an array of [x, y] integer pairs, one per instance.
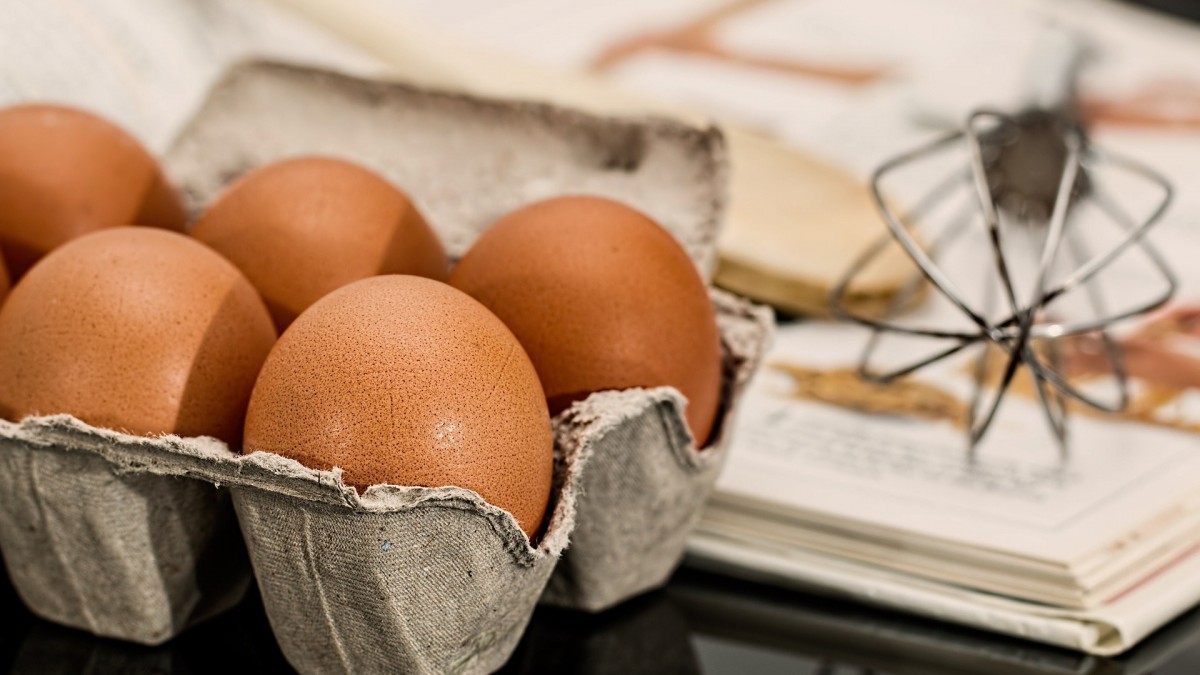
{"points": [[1016, 496]]}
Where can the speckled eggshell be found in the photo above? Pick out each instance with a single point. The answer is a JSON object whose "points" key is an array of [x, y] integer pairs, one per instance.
{"points": [[303, 227], [135, 329], [65, 172], [602, 298], [406, 381]]}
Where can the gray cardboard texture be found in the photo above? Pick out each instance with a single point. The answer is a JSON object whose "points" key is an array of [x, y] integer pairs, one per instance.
{"points": [[133, 557], [464, 160], [645, 481], [443, 588], [397, 579]]}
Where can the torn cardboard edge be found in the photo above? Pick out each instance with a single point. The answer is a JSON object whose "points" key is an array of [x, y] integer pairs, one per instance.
{"points": [[646, 481], [308, 536], [746, 330], [211, 460]]}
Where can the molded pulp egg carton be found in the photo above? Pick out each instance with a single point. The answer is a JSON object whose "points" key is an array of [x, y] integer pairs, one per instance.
{"points": [[136, 538]]}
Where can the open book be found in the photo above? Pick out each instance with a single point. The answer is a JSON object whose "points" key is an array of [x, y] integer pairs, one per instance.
{"points": [[1091, 552]]}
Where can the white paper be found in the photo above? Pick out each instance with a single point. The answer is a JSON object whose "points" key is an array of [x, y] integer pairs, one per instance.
{"points": [[146, 64], [1105, 631], [905, 491]]}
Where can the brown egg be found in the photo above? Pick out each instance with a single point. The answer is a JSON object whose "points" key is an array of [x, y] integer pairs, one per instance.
{"points": [[404, 380], [303, 227], [602, 298], [5, 283], [135, 329], [64, 173]]}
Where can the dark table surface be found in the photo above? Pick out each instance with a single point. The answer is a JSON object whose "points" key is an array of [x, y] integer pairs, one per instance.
{"points": [[699, 624]]}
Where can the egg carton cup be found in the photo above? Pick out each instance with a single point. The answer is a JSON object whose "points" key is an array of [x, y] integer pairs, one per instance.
{"points": [[92, 542], [397, 579], [645, 481]]}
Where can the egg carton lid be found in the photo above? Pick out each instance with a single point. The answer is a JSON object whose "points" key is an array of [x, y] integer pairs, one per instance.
{"points": [[465, 160]]}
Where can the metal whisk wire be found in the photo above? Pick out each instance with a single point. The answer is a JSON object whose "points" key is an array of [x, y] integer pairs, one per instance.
{"points": [[1023, 336]]}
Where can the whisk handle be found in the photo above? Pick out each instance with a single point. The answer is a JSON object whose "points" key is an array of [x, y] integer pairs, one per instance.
{"points": [[1055, 68]]}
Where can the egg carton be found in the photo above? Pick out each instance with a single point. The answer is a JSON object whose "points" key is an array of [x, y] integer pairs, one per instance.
{"points": [[135, 538], [98, 545], [129, 537], [420, 580]]}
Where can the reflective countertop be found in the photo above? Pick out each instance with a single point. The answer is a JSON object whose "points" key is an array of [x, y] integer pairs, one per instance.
{"points": [[700, 623]]}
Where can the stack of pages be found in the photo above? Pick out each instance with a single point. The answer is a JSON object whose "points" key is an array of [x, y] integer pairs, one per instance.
{"points": [[1093, 552]]}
